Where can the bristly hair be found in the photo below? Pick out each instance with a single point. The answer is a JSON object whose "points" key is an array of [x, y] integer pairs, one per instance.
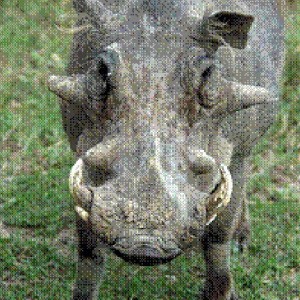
{"points": [[283, 8], [83, 17]]}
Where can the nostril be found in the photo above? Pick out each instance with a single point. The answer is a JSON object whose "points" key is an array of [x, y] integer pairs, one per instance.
{"points": [[199, 168], [96, 176]]}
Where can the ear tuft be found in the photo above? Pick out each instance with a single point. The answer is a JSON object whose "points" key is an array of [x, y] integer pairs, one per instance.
{"points": [[225, 28]]}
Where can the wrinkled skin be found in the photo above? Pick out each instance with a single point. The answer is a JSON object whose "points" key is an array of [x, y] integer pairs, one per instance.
{"points": [[162, 108]]}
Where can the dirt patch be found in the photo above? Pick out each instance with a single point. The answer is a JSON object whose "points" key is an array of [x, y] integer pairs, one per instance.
{"points": [[4, 233], [66, 239]]}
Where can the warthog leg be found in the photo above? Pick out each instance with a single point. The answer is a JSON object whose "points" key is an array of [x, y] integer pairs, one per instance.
{"points": [[90, 267], [219, 285], [242, 234], [217, 240]]}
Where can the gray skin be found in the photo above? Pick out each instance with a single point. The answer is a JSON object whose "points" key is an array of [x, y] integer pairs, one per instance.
{"points": [[161, 96]]}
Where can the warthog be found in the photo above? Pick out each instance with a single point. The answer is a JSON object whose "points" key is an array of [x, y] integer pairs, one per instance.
{"points": [[163, 102]]}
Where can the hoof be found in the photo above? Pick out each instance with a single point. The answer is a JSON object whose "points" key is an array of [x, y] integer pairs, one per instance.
{"points": [[219, 287], [232, 297]]}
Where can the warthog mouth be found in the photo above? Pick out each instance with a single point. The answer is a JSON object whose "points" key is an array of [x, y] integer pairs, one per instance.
{"points": [[145, 255], [138, 245], [145, 250]]}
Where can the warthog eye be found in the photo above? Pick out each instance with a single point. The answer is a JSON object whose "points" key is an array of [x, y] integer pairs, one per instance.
{"points": [[206, 74], [103, 71], [98, 80], [196, 68]]}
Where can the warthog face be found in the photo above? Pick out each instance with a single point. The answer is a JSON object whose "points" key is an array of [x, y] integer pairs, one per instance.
{"points": [[152, 169]]}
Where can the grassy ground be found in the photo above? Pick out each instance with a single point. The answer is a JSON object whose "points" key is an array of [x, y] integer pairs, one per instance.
{"points": [[38, 254]]}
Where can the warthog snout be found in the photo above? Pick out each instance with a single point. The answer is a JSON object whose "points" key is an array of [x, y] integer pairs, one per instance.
{"points": [[150, 217]]}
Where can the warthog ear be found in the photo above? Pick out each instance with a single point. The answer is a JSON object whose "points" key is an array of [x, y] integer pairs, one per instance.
{"points": [[225, 28]]}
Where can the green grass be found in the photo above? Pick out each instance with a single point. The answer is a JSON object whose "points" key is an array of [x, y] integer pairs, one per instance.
{"points": [[37, 261]]}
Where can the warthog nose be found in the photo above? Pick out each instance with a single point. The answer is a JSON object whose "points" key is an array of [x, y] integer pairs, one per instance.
{"points": [[145, 255]]}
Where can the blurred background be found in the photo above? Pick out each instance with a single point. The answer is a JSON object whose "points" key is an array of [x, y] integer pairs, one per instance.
{"points": [[37, 241]]}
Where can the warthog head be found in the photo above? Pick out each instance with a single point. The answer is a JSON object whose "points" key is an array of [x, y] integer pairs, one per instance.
{"points": [[152, 170]]}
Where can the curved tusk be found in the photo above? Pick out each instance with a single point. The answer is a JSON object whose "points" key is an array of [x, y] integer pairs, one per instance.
{"points": [[102, 155], [81, 194], [221, 197], [228, 185], [84, 215], [211, 219], [69, 88]]}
